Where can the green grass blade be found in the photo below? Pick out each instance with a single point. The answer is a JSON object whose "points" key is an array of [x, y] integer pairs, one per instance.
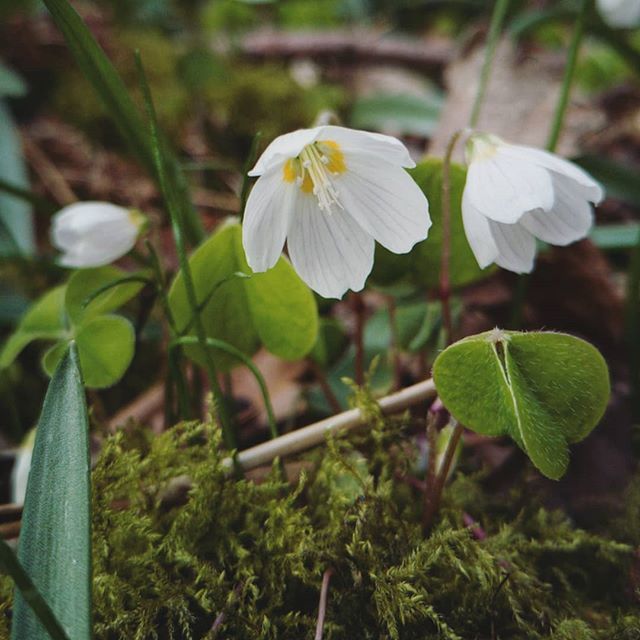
{"points": [[10, 565], [98, 69], [55, 538]]}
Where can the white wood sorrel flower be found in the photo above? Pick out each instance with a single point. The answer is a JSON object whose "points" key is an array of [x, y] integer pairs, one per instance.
{"points": [[92, 234], [620, 13], [515, 194], [330, 192]]}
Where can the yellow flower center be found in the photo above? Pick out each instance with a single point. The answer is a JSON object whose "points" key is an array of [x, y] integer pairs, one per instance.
{"points": [[314, 169]]}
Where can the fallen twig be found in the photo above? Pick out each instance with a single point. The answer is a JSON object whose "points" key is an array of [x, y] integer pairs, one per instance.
{"points": [[361, 45], [315, 434], [322, 607]]}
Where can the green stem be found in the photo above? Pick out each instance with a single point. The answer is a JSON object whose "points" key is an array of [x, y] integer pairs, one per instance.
{"points": [[236, 353], [175, 374], [180, 241], [497, 20], [44, 205], [161, 283], [569, 74], [445, 256]]}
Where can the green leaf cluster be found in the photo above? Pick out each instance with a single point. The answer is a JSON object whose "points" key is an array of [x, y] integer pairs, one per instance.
{"points": [[81, 310], [274, 309], [545, 390]]}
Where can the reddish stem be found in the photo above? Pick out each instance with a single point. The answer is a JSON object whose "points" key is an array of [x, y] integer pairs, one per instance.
{"points": [[358, 336], [434, 495]]}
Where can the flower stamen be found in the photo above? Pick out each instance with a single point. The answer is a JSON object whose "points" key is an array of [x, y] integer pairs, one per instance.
{"points": [[313, 169]]}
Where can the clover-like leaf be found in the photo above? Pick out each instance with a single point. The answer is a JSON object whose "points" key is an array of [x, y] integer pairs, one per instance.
{"points": [[105, 347], [545, 390], [45, 320], [92, 292], [275, 308]]}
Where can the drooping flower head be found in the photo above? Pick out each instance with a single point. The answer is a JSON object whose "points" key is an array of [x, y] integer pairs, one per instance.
{"points": [[92, 234], [515, 194], [331, 192], [620, 13]]}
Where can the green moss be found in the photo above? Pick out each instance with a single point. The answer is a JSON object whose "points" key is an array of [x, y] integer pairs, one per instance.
{"points": [[177, 543], [266, 98], [77, 102]]}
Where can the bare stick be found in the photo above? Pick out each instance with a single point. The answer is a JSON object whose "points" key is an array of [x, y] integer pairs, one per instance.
{"points": [[315, 434], [349, 45], [322, 608]]}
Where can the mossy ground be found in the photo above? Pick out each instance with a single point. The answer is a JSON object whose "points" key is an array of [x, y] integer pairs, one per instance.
{"points": [[177, 542]]}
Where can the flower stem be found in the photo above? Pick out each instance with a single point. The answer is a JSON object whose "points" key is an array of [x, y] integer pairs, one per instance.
{"points": [[357, 304], [435, 492], [395, 343], [497, 19], [569, 74], [445, 255], [178, 230], [325, 387]]}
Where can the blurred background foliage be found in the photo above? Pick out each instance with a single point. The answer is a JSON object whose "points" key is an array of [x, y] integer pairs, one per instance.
{"points": [[222, 70]]}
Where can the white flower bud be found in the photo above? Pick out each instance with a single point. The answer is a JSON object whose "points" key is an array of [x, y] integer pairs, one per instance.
{"points": [[620, 13], [92, 234]]}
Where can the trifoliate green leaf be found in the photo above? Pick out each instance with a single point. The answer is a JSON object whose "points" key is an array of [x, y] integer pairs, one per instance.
{"points": [[545, 390]]}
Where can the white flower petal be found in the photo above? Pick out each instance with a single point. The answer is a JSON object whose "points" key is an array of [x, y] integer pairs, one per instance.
{"points": [[620, 13], [569, 219], [478, 233], [266, 219], [92, 234], [504, 189], [371, 145], [516, 246], [284, 147], [74, 221], [591, 189], [330, 252], [385, 201]]}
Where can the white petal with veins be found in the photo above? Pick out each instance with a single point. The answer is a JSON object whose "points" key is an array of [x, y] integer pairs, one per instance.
{"points": [[504, 190], [569, 220], [266, 222], [386, 202], [516, 246], [478, 231], [330, 252], [590, 189]]}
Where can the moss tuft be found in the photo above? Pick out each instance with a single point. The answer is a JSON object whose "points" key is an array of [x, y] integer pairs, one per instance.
{"points": [[181, 551]]}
